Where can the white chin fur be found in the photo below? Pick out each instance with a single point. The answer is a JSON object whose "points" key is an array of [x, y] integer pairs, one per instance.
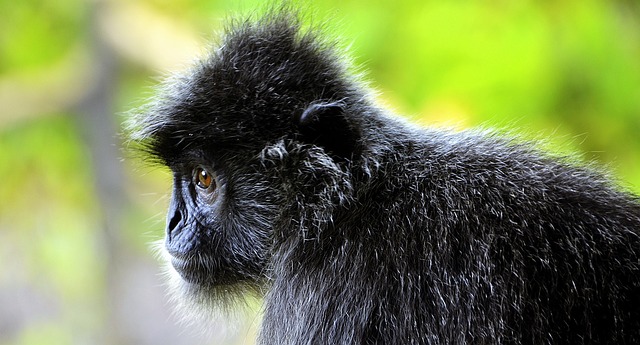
{"points": [[213, 310]]}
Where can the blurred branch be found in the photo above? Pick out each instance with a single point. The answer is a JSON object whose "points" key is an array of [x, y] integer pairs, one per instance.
{"points": [[148, 37], [132, 30], [56, 89]]}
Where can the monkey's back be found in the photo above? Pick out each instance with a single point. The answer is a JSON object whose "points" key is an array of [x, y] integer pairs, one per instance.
{"points": [[455, 238], [490, 241]]}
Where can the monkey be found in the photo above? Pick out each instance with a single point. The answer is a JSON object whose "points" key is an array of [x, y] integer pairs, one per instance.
{"points": [[358, 227]]}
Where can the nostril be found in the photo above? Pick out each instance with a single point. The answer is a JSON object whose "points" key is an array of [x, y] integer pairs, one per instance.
{"points": [[175, 220], [179, 236]]}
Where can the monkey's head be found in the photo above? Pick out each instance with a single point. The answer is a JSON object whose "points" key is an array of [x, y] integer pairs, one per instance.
{"points": [[259, 138]]}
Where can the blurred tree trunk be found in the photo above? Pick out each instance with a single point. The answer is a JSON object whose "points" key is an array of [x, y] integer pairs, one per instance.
{"points": [[99, 128]]}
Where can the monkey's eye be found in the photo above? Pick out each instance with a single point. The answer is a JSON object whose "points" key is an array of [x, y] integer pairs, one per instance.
{"points": [[203, 178]]}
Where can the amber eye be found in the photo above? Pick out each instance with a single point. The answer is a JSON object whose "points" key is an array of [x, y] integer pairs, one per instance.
{"points": [[203, 178]]}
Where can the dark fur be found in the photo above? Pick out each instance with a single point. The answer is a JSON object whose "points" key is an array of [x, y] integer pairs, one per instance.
{"points": [[362, 229]]}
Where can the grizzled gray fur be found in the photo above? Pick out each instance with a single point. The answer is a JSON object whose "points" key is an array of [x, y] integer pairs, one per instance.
{"points": [[359, 228]]}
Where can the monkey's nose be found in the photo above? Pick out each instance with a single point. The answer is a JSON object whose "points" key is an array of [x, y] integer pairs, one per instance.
{"points": [[174, 222], [179, 238]]}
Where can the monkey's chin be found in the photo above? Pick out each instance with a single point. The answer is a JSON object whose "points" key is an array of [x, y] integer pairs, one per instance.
{"points": [[197, 271], [200, 306], [196, 298], [189, 270]]}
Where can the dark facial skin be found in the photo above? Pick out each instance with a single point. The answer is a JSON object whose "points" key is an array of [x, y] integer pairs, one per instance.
{"points": [[207, 243]]}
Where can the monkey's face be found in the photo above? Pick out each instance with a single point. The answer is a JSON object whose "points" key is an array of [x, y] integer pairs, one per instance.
{"points": [[259, 137], [216, 235]]}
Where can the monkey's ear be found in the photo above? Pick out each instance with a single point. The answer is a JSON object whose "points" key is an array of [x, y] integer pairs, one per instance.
{"points": [[325, 125]]}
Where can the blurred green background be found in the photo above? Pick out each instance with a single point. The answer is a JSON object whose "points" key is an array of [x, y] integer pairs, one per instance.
{"points": [[77, 213]]}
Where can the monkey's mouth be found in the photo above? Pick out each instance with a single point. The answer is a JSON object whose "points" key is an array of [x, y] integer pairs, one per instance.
{"points": [[190, 270]]}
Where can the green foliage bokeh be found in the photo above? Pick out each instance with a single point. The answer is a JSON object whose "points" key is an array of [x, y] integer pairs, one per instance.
{"points": [[565, 71]]}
